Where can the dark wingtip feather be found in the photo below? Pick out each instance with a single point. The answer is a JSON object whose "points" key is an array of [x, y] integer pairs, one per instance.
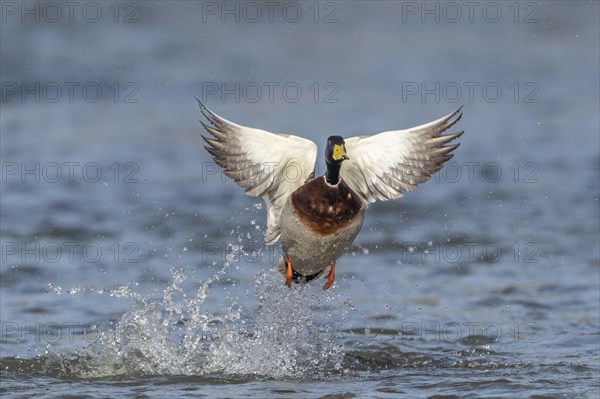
{"points": [[453, 146], [452, 119], [207, 139], [450, 148], [211, 142], [204, 125], [208, 114], [212, 151], [457, 112]]}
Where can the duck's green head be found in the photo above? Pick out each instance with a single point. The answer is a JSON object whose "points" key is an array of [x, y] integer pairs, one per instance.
{"points": [[335, 152]]}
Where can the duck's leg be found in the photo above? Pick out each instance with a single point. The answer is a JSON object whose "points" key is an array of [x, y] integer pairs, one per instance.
{"points": [[330, 276], [288, 274]]}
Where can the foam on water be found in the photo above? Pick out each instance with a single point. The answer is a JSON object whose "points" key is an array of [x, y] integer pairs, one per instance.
{"points": [[277, 333]]}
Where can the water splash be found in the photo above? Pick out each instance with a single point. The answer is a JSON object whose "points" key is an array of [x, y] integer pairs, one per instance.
{"points": [[277, 333], [289, 337]]}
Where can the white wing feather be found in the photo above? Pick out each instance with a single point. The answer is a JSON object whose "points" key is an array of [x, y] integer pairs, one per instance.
{"points": [[388, 164], [265, 164]]}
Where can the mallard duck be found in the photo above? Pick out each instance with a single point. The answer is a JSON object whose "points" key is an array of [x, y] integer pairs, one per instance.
{"points": [[318, 218]]}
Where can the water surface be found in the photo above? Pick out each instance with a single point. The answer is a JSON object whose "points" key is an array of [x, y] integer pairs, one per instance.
{"points": [[132, 267]]}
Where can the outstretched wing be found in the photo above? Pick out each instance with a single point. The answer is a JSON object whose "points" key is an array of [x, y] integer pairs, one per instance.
{"points": [[265, 164], [388, 164]]}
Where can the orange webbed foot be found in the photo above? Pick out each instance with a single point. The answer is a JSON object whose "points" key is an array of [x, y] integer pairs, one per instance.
{"points": [[288, 274], [330, 276]]}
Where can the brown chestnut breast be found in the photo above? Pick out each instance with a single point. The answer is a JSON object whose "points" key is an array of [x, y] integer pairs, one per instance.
{"points": [[325, 209]]}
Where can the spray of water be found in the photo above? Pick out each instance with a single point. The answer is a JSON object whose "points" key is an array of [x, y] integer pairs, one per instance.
{"points": [[277, 333]]}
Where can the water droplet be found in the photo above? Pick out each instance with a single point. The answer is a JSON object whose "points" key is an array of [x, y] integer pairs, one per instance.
{"points": [[74, 290]]}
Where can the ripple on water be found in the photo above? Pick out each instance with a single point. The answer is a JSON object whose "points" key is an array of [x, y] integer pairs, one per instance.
{"points": [[287, 334]]}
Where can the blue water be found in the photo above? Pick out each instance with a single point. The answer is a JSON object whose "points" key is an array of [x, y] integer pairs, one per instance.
{"points": [[132, 267]]}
